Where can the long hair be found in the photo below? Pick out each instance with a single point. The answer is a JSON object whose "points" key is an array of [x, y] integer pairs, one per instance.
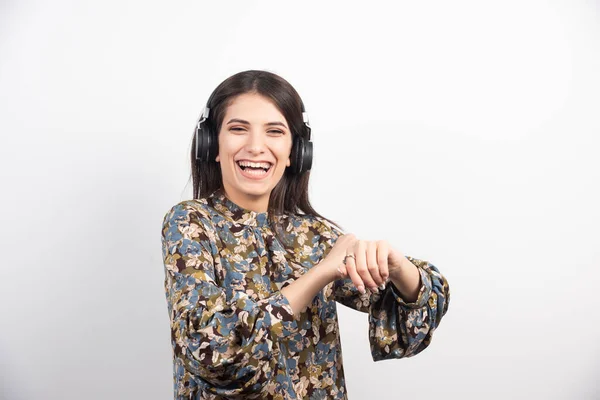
{"points": [[290, 195]]}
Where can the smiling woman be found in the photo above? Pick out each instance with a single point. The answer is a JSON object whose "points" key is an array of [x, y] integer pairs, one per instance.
{"points": [[253, 272], [253, 155]]}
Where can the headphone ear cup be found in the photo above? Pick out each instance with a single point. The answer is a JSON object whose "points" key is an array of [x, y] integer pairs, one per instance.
{"points": [[206, 144], [307, 156], [213, 145], [297, 156], [302, 154]]}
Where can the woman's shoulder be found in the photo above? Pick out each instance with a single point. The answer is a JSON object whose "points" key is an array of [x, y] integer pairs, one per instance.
{"points": [[325, 226], [197, 209], [297, 219], [310, 222]]}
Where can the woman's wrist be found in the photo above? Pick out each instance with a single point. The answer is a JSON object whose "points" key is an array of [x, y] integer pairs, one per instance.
{"points": [[302, 291], [328, 271]]}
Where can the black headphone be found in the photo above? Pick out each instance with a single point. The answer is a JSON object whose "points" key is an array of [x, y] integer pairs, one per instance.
{"points": [[207, 143]]}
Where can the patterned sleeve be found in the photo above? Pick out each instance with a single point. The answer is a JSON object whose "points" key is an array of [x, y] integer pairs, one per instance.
{"points": [[226, 344], [397, 329]]}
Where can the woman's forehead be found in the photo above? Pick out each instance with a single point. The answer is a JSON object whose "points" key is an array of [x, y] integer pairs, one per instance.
{"points": [[254, 109]]}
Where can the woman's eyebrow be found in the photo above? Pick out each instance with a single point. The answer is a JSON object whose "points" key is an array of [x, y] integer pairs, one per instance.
{"points": [[242, 121]]}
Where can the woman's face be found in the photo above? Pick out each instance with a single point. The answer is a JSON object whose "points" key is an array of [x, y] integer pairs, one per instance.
{"points": [[253, 130]]}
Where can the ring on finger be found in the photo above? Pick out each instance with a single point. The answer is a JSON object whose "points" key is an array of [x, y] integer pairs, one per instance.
{"points": [[348, 255]]}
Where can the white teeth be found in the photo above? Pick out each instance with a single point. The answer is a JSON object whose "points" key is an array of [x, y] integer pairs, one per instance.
{"points": [[253, 164]]}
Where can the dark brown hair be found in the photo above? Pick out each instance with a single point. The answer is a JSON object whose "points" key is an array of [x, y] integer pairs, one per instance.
{"points": [[290, 195]]}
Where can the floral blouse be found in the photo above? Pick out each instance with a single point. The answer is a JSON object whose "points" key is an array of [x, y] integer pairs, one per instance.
{"points": [[234, 334]]}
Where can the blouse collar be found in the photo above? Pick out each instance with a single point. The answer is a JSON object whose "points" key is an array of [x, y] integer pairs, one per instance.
{"points": [[236, 213]]}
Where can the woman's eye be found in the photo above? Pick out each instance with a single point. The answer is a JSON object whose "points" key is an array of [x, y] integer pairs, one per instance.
{"points": [[237, 129]]}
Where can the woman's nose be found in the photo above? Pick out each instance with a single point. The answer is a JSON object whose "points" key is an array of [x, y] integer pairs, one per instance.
{"points": [[256, 142]]}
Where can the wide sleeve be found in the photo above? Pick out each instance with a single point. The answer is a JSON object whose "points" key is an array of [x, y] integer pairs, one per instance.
{"points": [[397, 328], [226, 344]]}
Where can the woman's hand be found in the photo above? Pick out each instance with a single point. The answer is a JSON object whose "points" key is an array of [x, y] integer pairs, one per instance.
{"points": [[335, 257], [372, 264]]}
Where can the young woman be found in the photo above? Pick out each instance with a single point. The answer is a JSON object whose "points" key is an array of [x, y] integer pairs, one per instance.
{"points": [[253, 272]]}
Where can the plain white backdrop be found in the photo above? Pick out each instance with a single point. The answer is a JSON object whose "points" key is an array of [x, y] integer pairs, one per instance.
{"points": [[465, 133]]}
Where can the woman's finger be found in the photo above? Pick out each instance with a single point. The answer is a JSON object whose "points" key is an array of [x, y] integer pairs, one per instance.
{"points": [[345, 241], [354, 276], [361, 264], [372, 264], [342, 270], [383, 251]]}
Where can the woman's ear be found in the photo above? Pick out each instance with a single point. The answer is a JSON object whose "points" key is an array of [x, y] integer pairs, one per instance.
{"points": [[217, 159]]}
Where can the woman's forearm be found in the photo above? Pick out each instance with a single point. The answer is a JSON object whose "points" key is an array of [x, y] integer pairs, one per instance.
{"points": [[301, 292]]}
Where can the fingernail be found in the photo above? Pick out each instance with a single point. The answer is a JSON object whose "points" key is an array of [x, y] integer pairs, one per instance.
{"points": [[382, 286], [361, 289]]}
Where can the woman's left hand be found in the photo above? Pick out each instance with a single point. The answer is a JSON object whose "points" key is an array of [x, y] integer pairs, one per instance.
{"points": [[375, 262]]}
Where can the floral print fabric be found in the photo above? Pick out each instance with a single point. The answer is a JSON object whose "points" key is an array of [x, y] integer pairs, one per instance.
{"points": [[233, 333]]}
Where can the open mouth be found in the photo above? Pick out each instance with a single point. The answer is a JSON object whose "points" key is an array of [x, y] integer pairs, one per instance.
{"points": [[254, 171]]}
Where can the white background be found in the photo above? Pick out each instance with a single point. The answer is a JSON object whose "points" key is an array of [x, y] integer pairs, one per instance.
{"points": [[465, 133]]}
